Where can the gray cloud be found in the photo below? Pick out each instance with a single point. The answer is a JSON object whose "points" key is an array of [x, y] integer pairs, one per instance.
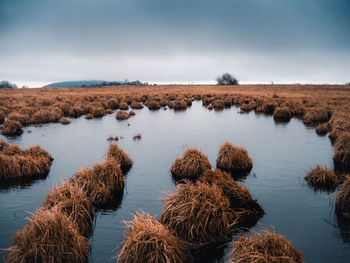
{"points": [[159, 40]]}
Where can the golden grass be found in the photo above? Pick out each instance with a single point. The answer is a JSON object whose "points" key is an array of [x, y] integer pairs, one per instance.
{"points": [[19, 166], [199, 214], [234, 159], [342, 203], [123, 106], [64, 121], [179, 105], [342, 152], [98, 112], [50, 236], [282, 114], [136, 105], [322, 178], [247, 210], [103, 184], [115, 152], [12, 128], [71, 200], [132, 113], [148, 241], [317, 116], [191, 166], [122, 115], [265, 247]]}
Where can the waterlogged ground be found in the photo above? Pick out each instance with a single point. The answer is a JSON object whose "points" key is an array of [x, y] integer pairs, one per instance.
{"points": [[281, 156]]}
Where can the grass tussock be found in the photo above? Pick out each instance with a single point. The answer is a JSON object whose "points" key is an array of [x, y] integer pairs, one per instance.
{"points": [[123, 106], [322, 129], [322, 178], [341, 156], [199, 214], [191, 166], [64, 120], [122, 115], [317, 116], [282, 114], [265, 247], [71, 200], [103, 184], [115, 152], [149, 241], [51, 237], [98, 112], [247, 210], [12, 128], [136, 105], [19, 166], [180, 105], [234, 159], [132, 113], [342, 203]]}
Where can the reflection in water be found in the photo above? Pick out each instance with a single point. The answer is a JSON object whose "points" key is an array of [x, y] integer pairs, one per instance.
{"points": [[281, 155]]}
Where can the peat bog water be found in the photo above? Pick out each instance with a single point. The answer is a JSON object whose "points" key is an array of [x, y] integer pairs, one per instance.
{"points": [[281, 153]]}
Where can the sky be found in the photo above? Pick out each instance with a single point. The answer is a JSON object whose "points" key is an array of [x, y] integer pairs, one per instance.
{"points": [[168, 41]]}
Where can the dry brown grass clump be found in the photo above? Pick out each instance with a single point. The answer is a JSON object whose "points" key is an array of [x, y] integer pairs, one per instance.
{"points": [[108, 111], [342, 203], [265, 247], [191, 166], [122, 115], [132, 113], [153, 105], [115, 152], [322, 129], [103, 184], [234, 159], [51, 237], [283, 114], [341, 156], [89, 116], [198, 213], [21, 166], [148, 241], [218, 104], [12, 128], [180, 105], [136, 105], [98, 112], [64, 120], [268, 108], [123, 106], [247, 210], [317, 116], [137, 136], [72, 201], [322, 178], [112, 104]]}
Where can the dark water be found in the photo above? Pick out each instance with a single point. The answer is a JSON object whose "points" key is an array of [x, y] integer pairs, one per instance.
{"points": [[281, 155]]}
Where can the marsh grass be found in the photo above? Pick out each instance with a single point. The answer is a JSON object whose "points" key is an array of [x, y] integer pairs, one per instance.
{"points": [[115, 152], [322, 178], [149, 241]]}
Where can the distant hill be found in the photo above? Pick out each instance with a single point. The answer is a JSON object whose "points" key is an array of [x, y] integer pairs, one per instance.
{"points": [[88, 83]]}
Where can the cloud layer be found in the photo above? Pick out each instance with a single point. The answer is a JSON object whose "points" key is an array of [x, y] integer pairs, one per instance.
{"points": [[175, 41]]}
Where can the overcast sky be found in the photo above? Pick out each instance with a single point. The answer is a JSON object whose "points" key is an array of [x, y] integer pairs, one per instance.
{"points": [[284, 41]]}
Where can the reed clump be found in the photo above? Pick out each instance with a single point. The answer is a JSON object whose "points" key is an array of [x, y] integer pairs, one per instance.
{"points": [[136, 105], [180, 105], [149, 241], [317, 116], [153, 105], [342, 203], [341, 156], [98, 112], [191, 166], [282, 114], [122, 115], [50, 236], [247, 210], [71, 200], [322, 129], [64, 120], [116, 153], [265, 247], [199, 214], [89, 116], [234, 159], [132, 113], [218, 104], [18, 165], [103, 184], [322, 178], [12, 128]]}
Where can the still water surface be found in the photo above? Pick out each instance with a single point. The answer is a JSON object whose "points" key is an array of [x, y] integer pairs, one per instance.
{"points": [[281, 155]]}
